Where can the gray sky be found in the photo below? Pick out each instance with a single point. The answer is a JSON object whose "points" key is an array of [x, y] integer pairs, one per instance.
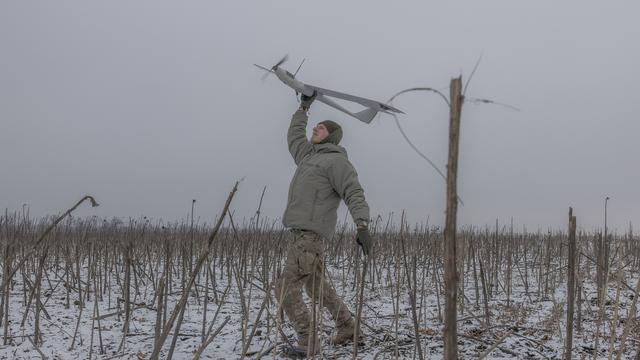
{"points": [[149, 104]]}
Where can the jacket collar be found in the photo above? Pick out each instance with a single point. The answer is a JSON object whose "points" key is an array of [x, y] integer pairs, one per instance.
{"points": [[330, 148]]}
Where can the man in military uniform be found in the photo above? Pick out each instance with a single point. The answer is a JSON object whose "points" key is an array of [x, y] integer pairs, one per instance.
{"points": [[324, 176]]}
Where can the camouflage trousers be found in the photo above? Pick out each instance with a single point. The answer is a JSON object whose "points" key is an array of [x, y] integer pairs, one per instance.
{"points": [[304, 268]]}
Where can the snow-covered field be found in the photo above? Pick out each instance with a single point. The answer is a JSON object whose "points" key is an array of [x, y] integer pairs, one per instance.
{"points": [[529, 327]]}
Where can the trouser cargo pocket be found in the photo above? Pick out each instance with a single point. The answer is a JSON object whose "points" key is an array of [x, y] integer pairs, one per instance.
{"points": [[308, 248], [307, 262]]}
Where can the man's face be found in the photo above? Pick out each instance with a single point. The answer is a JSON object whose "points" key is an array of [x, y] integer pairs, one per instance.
{"points": [[319, 133]]}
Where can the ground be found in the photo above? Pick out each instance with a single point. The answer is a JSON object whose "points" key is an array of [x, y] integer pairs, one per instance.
{"points": [[527, 327]]}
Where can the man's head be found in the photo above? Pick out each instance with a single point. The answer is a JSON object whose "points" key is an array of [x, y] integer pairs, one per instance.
{"points": [[326, 132]]}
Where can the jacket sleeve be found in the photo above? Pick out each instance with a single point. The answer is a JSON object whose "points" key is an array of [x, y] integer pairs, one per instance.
{"points": [[344, 179], [299, 145]]}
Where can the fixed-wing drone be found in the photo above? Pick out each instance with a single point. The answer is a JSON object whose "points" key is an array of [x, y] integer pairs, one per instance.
{"points": [[323, 95]]}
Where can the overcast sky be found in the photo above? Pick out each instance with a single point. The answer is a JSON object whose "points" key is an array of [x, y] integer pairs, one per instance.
{"points": [[149, 104]]}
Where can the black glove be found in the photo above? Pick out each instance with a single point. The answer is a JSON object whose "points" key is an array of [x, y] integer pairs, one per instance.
{"points": [[306, 101], [364, 240]]}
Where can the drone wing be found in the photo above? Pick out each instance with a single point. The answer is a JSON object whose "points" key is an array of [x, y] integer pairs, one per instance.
{"points": [[378, 106]]}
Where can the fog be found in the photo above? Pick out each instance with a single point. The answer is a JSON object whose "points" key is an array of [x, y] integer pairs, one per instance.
{"points": [[147, 105]]}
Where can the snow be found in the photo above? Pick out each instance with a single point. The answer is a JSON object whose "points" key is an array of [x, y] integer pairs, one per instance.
{"points": [[532, 329]]}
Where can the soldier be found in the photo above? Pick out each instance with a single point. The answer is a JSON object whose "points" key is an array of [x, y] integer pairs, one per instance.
{"points": [[323, 177]]}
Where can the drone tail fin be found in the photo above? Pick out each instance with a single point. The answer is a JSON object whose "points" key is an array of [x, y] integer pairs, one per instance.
{"points": [[366, 115], [390, 109]]}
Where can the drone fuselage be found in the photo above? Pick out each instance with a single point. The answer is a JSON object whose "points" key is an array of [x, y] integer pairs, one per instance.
{"points": [[287, 78]]}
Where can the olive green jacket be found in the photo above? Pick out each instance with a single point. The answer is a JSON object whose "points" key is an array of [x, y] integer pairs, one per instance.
{"points": [[323, 177]]}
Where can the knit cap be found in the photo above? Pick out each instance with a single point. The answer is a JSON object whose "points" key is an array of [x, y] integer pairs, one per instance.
{"points": [[335, 132]]}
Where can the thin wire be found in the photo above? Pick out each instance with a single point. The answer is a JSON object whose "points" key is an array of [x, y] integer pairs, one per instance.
{"points": [[435, 167], [406, 138], [487, 101], [464, 92], [420, 89]]}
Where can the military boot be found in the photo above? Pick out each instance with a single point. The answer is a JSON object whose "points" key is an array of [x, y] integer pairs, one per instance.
{"points": [[310, 348], [345, 333]]}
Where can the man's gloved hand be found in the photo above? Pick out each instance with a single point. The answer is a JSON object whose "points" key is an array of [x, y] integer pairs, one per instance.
{"points": [[364, 239], [306, 101]]}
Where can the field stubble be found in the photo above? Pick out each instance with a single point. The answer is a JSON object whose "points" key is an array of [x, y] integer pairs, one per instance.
{"points": [[102, 289]]}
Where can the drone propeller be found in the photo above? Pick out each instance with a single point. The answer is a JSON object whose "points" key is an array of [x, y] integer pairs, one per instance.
{"points": [[266, 72], [273, 68], [284, 58], [262, 67]]}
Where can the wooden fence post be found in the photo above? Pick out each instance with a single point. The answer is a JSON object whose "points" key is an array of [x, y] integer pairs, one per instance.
{"points": [[450, 269], [571, 283]]}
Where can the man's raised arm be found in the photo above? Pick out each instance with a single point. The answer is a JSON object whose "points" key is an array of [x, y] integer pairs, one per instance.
{"points": [[299, 145]]}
